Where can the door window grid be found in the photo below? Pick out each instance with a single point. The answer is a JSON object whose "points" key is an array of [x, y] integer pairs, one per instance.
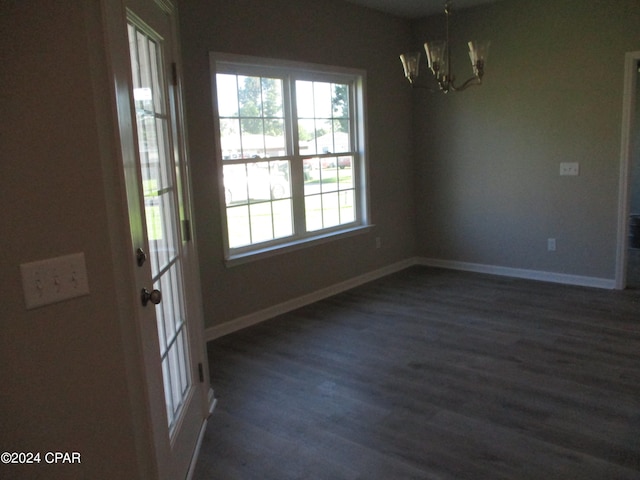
{"points": [[161, 216]]}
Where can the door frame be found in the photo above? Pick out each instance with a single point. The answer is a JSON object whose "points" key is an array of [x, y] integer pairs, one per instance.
{"points": [[629, 100], [146, 419]]}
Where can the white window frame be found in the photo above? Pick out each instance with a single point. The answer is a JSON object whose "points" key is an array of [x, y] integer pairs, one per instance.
{"points": [[290, 72]]}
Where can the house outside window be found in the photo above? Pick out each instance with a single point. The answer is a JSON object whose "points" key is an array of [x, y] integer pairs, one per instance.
{"points": [[291, 153]]}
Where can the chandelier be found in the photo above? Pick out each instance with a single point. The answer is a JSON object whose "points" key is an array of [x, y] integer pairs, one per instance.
{"points": [[439, 58]]}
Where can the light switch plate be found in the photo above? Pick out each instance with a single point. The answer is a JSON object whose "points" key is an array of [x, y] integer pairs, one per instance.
{"points": [[53, 280], [569, 168]]}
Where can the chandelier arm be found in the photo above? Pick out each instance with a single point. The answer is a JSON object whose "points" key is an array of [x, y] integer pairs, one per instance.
{"points": [[473, 81]]}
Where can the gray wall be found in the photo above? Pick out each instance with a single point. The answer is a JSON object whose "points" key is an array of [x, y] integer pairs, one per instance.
{"points": [[320, 31], [63, 373], [487, 160]]}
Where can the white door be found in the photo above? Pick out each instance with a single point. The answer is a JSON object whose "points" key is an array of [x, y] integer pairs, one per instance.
{"points": [[163, 253]]}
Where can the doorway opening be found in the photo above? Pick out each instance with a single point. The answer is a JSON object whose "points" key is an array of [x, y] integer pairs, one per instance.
{"points": [[628, 267]]}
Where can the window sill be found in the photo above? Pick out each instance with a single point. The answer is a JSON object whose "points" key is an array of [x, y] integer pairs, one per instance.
{"points": [[280, 249]]}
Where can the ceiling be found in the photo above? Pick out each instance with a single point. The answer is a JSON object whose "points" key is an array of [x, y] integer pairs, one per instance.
{"points": [[416, 8]]}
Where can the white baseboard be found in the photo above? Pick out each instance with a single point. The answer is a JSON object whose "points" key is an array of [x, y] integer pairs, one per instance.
{"points": [[260, 316], [552, 277]]}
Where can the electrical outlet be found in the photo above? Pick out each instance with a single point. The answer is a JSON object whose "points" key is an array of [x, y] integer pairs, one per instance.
{"points": [[569, 168], [378, 242], [53, 280], [551, 244]]}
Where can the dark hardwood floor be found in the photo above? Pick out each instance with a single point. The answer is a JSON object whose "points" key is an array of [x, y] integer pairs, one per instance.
{"points": [[432, 374]]}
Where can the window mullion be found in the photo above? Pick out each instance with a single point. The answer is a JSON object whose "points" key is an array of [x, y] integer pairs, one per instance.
{"points": [[297, 170]]}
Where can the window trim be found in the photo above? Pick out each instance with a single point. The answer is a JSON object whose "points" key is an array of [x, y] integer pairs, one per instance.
{"points": [[291, 71]]}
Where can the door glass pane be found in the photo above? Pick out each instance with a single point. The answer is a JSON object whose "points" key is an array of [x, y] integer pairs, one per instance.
{"points": [[162, 216]]}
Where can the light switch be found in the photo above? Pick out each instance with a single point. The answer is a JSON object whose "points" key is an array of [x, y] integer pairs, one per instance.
{"points": [[53, 280], [569, 168]]}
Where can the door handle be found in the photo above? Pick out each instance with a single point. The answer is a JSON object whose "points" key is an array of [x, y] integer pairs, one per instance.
{"points": [[155, 297]]}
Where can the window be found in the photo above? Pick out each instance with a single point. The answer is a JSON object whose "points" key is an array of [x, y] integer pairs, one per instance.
{"points": [[291, 152]]}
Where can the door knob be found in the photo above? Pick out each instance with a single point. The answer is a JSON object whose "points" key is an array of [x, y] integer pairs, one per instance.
{"points": [[155, 297]]}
